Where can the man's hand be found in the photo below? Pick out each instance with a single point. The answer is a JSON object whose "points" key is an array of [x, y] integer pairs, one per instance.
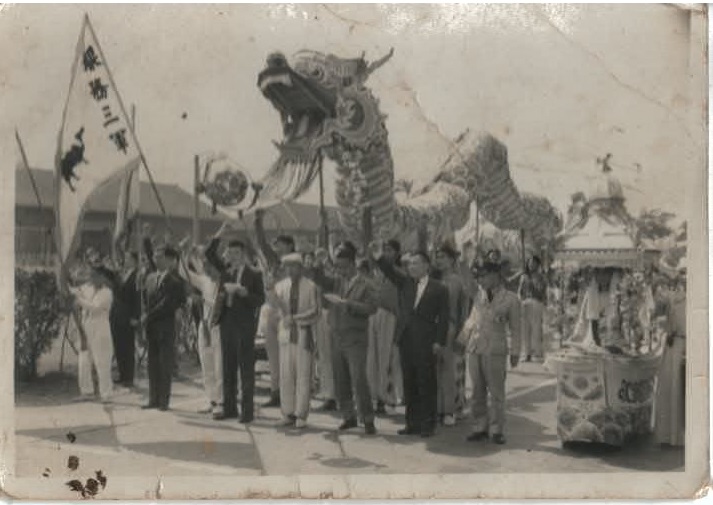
{"points": [[321, 256], [514, 360], [241, 291], [437, 349], [376, 249]]}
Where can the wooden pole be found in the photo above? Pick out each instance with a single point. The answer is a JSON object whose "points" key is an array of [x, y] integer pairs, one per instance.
{"points": [[196, 200], [367, 227], [477, 227], [323, 226], [62, 273]]}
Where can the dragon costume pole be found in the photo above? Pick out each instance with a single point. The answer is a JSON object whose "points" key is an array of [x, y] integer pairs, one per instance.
{"points": [[196, 200], [323, 227]]}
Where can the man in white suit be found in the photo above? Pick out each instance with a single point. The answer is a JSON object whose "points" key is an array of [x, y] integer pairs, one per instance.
{"points": [[298, 302]]}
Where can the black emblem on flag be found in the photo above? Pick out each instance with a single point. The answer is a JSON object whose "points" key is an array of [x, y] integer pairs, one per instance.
{"points": [[72, 158]]}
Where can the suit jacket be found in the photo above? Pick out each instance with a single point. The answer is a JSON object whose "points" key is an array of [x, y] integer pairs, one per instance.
{"points": [[425, 324], [165, 293], [127, 297], [241, 316], [350, 322], [490, 323]]}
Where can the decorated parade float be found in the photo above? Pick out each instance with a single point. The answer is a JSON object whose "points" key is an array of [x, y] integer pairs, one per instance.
{"points": [[611, 343]]}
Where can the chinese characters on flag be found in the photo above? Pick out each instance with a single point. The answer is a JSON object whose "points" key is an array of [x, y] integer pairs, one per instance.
{"points": [[95, 147]]}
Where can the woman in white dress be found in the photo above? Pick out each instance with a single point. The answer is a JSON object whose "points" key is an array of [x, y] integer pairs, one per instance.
{"points": [[95, 299]]}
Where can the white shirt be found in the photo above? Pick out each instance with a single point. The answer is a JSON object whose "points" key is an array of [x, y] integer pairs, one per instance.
{"points": [[420, 288]]}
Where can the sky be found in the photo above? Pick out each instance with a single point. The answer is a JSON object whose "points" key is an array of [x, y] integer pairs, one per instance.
{"points": [[559, 85]]}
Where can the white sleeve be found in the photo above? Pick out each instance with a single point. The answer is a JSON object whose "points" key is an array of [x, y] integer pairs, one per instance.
{"points": [[101, 302]]}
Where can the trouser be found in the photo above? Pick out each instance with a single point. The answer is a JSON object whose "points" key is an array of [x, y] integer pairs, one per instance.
{"points": [[350, 378], [380, 361], [487, 373], [447, 382], [418, 367], [161, 350], [124, 339], [325, 357], [461, 369], [296, 362], [532, 311], [268, 327], [238, 350], [98, 354], [211, 364]]}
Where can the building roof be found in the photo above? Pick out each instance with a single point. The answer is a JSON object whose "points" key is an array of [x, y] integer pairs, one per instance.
{"points": [[178, 203], [290, 216]]}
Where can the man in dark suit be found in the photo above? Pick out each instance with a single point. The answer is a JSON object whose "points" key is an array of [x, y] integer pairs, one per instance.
{"points": [[165, 293], [421, 332], [356, 301], [124, 315], [241, 293]]}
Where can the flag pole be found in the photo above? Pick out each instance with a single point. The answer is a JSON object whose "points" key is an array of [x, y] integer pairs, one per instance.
{"points": [[26, 164], [131, 126]]}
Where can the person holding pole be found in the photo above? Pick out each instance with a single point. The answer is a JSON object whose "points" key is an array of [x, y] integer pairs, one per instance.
{"points": [[240, 296], [95, 300], [422, 330], [165, 293], [269, 313], [353, 301], [124, 317], [446, 258], [297, 298], [495, 313], [203, 277]]}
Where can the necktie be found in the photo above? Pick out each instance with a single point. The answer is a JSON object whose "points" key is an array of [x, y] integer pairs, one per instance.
{"points": [[294, 304], [491, 295]]}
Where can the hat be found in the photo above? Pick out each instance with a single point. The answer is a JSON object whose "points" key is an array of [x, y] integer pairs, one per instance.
{"points": [[292, 259], [491, 263], [168, 251]]}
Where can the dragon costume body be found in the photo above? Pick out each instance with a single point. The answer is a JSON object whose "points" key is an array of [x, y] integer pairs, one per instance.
{"points": [[328, 111]]}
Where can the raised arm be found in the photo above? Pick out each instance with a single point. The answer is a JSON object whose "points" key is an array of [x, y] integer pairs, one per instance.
{"points": [[273, 261]]}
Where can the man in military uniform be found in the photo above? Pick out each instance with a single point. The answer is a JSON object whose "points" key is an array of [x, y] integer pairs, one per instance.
{"points": [[495, 313]]}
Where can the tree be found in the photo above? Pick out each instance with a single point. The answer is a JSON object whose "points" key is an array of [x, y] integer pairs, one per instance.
{"points": [[654, 224]]}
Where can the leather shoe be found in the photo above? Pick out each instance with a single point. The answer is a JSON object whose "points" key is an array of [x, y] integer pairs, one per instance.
{"points": [[149, 406], [407, 431], [164, 408], [348, 424], [478, 436], [246, 419], [499, 438], [369, 429], [427, 433]]}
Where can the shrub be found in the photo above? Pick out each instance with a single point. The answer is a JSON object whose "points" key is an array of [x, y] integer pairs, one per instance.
{"points": [[38, 319]]}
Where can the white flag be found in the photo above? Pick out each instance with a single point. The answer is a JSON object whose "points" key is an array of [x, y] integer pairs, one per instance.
{"points": [[96, 146]]}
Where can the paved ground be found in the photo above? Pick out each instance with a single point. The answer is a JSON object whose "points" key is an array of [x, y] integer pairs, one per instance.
{"points": [[124, 440]]}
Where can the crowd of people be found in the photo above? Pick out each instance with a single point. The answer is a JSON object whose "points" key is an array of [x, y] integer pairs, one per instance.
{"points": [[374, 328]]}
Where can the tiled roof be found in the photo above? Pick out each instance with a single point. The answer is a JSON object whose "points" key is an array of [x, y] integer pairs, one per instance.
{"points": [[178, 202]]}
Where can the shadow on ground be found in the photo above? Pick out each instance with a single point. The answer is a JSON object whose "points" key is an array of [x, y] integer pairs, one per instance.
{"points": [[233, 454]]}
